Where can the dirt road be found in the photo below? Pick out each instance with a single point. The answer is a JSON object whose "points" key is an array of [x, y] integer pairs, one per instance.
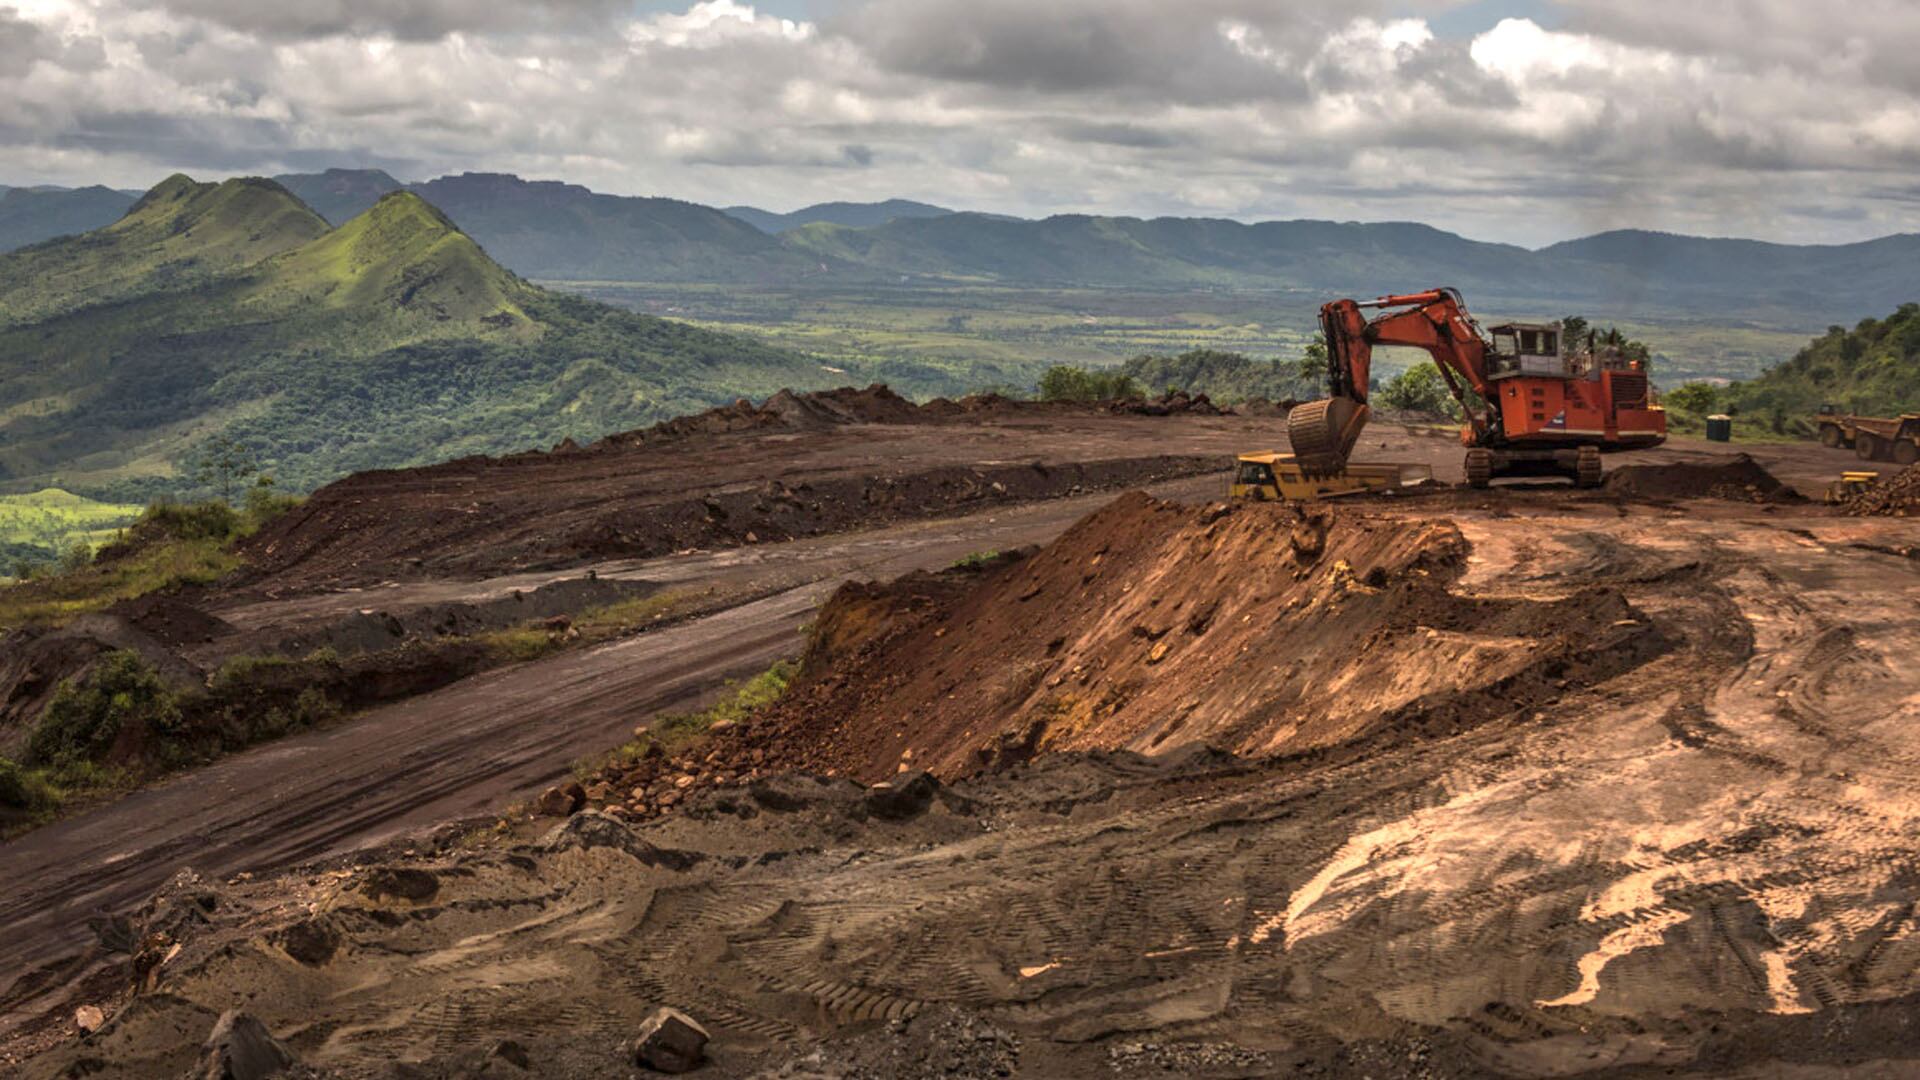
{"points": [[470, 748]]}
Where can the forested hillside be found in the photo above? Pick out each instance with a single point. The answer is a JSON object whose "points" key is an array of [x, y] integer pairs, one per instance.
{"points": [[1873, 368], [233, 310]]}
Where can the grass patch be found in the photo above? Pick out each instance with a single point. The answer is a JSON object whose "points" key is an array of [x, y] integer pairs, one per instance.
{"points": [[974, 561], [169, 545], [673, 731], [538, 638]]}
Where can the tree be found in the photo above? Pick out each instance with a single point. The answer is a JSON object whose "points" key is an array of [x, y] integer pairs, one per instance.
{"points": [[1313, 360], [1420, 389], [222, 463], [1694, 397]]}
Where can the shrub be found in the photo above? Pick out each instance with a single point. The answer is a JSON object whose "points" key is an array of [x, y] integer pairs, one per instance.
{"points": [[15, 791], [1064, 383], [83, 719]]}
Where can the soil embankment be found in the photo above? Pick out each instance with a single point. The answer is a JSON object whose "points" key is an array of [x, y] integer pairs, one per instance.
{"points": [[1258, 629]]}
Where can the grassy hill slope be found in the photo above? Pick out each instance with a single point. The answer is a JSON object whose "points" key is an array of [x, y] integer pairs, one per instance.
{"points": [[391, 340], [179, 235], [1873, 368]]}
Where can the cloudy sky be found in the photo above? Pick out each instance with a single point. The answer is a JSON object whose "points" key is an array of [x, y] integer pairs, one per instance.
{"points": [[1520, 120]]}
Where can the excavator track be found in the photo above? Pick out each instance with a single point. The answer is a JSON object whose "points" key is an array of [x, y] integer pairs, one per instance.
{"points": [[1587, 472], [1479, 467]]}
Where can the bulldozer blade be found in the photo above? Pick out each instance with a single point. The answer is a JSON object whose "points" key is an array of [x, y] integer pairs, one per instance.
{"points": [[1323, 433]]}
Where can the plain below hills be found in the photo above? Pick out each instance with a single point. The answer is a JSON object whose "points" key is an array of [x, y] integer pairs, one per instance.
{"points": [[233, 309]]}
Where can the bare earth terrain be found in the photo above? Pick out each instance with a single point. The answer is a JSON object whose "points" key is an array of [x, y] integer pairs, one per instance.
{"points": [[1527, 781]]}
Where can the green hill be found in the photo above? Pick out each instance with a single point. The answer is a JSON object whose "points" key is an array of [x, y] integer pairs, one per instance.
{"points": [[392, 340], [1873, 368]]}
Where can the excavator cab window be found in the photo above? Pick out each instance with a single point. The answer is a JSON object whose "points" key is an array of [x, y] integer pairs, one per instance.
{"points": [[1505, 343]]}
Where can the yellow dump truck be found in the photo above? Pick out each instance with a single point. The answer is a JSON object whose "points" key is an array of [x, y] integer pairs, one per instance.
{"points": [[1873, 438], [1274, 477]]}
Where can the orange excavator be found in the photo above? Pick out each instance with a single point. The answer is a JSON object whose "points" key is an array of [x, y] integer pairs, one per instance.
{"points": [[1532, 407]]}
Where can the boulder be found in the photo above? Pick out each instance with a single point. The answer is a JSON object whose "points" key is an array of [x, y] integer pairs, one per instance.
{"points": [[88, 1019], [906, 795], [560, 801], [670, 1041], [241, 1048]]}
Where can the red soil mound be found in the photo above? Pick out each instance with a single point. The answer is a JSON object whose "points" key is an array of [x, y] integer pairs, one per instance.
{"points": [[1255, 628], [1738, 478]]}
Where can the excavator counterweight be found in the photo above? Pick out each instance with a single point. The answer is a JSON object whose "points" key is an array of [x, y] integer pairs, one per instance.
{"points": [[1532, 407]]}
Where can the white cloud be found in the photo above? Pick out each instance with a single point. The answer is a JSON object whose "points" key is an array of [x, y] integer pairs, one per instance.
{"points": [[1797, 125]]}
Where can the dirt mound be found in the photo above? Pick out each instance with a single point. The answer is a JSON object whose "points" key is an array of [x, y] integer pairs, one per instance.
{"points": [[1895, 496], [1260, 406], [1257, 628], [785, 410], [171, 620], [366, 528], [1176, 403], [1738, 478]]}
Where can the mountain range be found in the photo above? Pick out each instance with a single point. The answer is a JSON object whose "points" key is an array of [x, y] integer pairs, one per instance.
{"points": [[29, 215], [854, 215], [561, 232], [233, 308]]}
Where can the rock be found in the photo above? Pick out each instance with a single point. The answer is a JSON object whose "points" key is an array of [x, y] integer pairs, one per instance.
{"points": [[683, 781], [88, 1018], [670, 1041], [640, 732], [403, 882], [594, 829], [721, 727], [555, 802], [512, 1053], [241, 1048], [905, 796], [312, 940]]}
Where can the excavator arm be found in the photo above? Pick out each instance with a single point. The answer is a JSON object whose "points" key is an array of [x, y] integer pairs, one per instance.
{"points": [[1323, 433]]}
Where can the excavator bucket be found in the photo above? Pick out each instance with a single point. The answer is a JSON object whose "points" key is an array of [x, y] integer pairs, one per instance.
{"points": [[1323, 433]]}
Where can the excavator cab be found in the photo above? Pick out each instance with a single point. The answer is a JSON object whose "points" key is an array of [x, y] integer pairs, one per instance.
{"points": [[1526, 349]]}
